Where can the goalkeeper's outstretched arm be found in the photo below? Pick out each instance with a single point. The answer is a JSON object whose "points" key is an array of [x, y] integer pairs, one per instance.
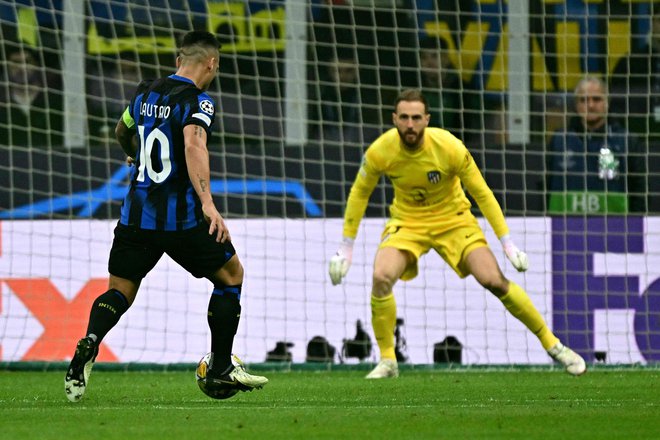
{"points": [[358, 198]]}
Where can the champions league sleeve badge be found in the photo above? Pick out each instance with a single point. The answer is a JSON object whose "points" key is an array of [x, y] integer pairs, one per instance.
{"points": [[207, 107]]}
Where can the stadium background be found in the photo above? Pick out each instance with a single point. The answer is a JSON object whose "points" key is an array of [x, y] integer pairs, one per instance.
{"points": [[280, 194]]}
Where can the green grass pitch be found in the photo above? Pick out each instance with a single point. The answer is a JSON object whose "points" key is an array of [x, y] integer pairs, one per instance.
{"points": [[421, 404]]}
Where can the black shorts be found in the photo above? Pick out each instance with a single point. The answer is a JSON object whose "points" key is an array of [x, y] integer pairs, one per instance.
{"points": [[136, 251]]}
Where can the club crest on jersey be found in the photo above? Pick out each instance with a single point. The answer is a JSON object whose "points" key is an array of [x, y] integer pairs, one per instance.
{"points": [[207, 107], [434, 176]]}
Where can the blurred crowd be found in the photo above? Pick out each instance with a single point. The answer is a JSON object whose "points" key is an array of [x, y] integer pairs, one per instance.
{"points": [[358, 60]]}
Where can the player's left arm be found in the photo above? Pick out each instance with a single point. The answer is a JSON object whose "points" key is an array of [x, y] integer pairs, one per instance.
{"points": [[126, 135], [197, 161], [476, 185]]}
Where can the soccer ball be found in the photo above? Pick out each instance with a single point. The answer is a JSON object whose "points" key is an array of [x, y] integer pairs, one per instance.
{"points": [[200, 377]]}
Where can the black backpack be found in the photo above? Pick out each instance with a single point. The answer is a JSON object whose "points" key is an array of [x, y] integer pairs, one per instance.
{"points": [[447, 351], [358, 347], [320, 350], [280, 353]]}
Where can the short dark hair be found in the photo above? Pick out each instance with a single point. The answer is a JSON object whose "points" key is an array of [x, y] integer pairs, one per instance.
{"points": [[346, 54], [411, 95], [591, 79], [435, 43], [21, 48], [200, 38]]}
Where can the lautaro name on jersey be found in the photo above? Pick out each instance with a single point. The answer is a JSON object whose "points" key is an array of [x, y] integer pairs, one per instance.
{"points": [[160, 195]]}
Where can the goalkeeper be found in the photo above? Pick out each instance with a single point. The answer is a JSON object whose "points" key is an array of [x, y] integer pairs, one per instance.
{"points": [[430, 210]]}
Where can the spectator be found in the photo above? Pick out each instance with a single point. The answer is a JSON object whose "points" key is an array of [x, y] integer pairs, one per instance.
{"points": [[331, 27], [110, 88], [485, 116], [636, 86], [384, 33], [595, 163], [441, 85], [30, 102], [340, 109]]}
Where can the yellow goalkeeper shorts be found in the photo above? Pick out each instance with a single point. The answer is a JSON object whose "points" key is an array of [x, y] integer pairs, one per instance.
{"points": [[452, 245]]}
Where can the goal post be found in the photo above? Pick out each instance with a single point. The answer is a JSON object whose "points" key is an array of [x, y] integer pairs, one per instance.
{"points": [[303, 89]]}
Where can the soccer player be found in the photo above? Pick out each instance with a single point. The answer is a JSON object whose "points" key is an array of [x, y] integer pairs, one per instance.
{"points": [[427, 167], [169, 209]]}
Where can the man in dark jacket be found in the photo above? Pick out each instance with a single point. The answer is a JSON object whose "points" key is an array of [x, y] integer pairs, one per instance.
{"points": [[595, 165], [31, 105]]}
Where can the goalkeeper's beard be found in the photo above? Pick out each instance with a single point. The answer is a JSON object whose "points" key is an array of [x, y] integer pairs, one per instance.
{"points": [[415, 143]]}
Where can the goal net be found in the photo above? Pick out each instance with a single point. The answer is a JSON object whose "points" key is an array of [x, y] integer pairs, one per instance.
{"points": [[303, 89]]}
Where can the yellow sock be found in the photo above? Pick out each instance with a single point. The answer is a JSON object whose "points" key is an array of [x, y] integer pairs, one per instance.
{"points": [[517, 302], [383, 320]]}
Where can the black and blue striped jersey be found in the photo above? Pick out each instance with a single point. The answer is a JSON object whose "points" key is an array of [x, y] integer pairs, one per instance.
{"points": [[161, 196]]}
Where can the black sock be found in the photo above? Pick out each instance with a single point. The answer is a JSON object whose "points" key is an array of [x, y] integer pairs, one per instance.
{"points": [[105, 313], [223, 316]]}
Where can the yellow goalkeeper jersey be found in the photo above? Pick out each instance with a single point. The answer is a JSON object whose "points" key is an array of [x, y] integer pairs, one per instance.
{"points": [[428, 184]]}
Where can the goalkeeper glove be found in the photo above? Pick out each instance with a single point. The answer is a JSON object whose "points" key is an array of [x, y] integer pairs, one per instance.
{"points": [[517, 257], [341, 261]]}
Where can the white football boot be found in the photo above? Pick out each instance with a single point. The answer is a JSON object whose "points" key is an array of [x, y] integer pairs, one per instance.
{"points": [[385, 368], [237, 377], [572, 361], [77, 375], [247, 380]]}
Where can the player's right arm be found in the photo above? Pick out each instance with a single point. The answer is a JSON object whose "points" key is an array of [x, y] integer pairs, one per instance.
{"points": [[366, 180], [358, 199]]}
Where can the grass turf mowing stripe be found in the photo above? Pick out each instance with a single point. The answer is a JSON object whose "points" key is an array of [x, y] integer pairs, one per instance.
{"points": [[339, 404]]}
